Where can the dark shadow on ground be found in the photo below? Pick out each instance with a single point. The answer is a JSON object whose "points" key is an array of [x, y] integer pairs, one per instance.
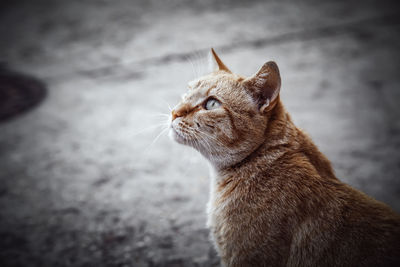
{"points": [[18, 93]]}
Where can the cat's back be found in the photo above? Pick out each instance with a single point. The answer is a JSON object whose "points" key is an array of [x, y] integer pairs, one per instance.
{"points": [[338, 225], [351, 230], [369, 233], [288, 214]]}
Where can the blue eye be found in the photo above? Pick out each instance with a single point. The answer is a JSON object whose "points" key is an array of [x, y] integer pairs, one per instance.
{"points": [[212, 103]]}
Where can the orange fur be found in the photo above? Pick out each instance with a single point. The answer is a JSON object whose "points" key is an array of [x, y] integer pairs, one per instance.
{"points": [[275, 200]]}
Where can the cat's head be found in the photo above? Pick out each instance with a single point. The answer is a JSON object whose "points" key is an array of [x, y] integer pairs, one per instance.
{"points": [[224, 115]]}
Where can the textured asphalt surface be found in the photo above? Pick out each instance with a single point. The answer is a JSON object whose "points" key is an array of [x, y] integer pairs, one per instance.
{"points": [[83, 182]]}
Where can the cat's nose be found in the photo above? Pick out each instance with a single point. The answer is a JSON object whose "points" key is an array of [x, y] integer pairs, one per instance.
{"points": [[180, 111], [176, 114]]}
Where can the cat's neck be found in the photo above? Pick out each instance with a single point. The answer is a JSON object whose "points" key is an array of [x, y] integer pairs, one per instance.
{"points": [[281, 136], [280, 133]]}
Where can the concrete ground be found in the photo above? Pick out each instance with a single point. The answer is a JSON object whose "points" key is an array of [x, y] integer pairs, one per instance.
{"points": [[81, 181]]}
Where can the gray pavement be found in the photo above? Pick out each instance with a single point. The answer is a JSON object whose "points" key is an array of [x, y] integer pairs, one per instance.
{"points": [[82, 182]]}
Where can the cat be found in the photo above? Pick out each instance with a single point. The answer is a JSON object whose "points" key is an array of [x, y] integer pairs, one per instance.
{"points": [[274, 199]]}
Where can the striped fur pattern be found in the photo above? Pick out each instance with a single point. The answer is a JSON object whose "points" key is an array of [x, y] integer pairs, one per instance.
{"points": [[275, 200]]}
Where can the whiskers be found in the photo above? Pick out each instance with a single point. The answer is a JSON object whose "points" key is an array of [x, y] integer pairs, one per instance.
{"points": [[199, 63], [164, 130], [154, 126], [160, 128]]}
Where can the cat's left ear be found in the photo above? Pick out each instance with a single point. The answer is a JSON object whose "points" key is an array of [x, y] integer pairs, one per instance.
{"points": [[265, 86], [216, 63]]}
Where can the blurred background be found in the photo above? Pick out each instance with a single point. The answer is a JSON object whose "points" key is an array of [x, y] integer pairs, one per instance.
{"points": [[86, 178]]}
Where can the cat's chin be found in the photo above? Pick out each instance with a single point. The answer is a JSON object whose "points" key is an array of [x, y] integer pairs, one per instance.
{"points": [[174, 135]]}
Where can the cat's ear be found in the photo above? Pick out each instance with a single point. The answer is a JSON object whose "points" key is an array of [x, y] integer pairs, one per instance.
{"points": [[265, 86], [216, 63]]}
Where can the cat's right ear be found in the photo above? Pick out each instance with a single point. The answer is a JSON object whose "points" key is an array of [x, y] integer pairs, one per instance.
{"points": [[216, 63], [265, 86]]}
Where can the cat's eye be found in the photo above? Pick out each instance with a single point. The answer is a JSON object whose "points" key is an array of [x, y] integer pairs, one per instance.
{"points": [[212, 103]]}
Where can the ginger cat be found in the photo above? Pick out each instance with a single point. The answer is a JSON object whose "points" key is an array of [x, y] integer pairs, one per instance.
{"points": [[275, 200]]}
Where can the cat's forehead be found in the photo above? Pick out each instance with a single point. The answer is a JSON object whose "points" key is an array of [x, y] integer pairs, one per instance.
{"points": [[202, 83], [207, 85]]}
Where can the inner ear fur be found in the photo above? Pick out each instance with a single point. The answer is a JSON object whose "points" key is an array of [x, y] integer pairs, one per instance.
{"points": [[264, 86]]}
